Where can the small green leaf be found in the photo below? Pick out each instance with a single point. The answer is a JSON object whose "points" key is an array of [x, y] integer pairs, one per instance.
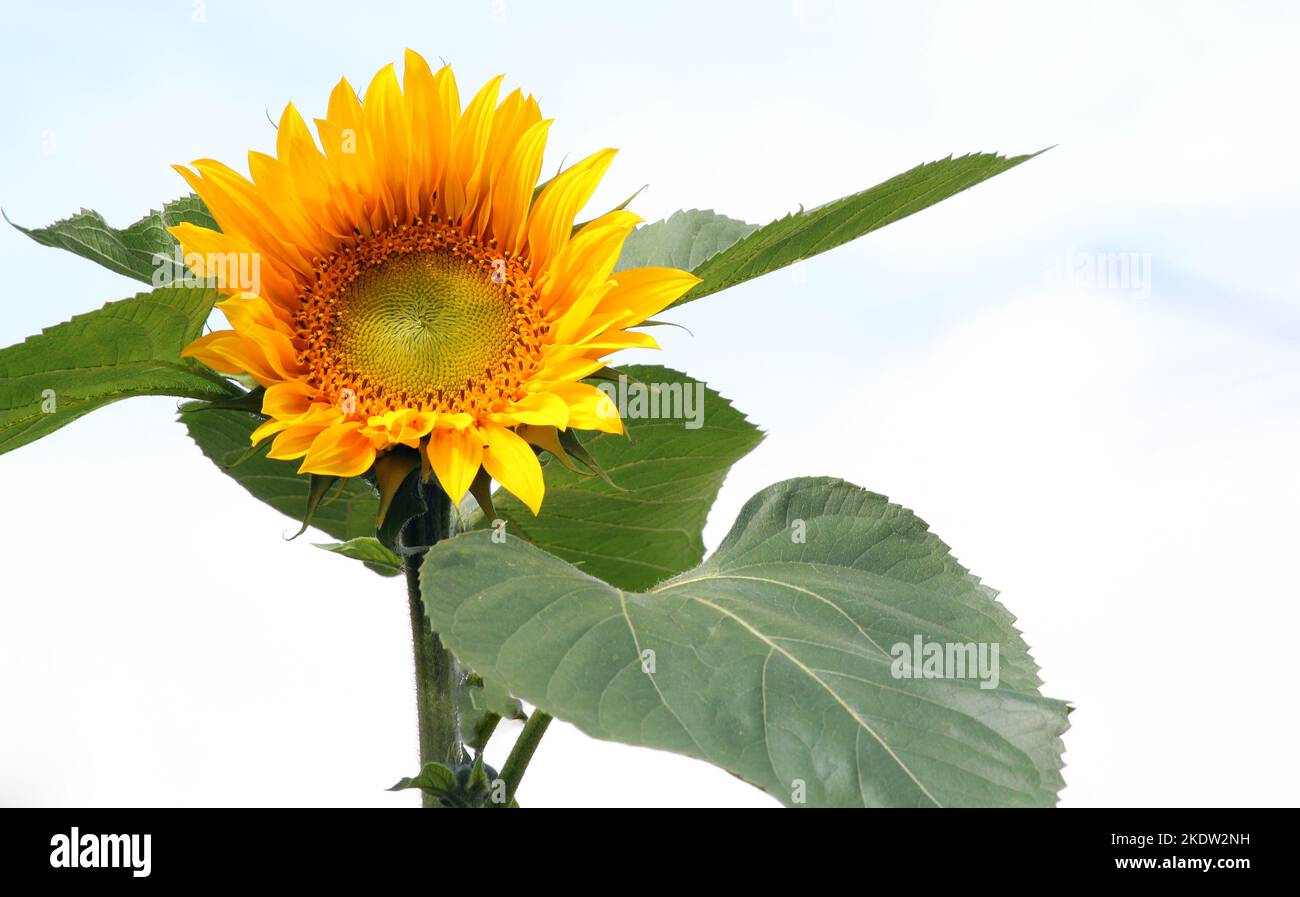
{"points": [[725, 252], [132, 251], [645, 524], [481, 704], [369, 551], [435, 778], [127, 348], [468, 786], [778, 658], [223, 436]]}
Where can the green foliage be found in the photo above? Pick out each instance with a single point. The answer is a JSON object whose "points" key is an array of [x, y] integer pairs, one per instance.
{"points": [[685, 240], [132, 251], [725, 252], [127, 348], [370, 551], [776, 658], [346, 513], [481, 703], [469, 786], [646, 523]]}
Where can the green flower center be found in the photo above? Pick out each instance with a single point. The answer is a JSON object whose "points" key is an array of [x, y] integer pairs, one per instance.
{"points": [[422, 317], [422, 323]]}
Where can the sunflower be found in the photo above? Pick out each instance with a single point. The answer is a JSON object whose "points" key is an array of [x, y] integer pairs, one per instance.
{"points": [[416, 288]]}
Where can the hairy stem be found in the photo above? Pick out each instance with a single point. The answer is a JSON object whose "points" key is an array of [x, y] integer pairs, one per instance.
{"points": [[437, 674], [520, 755]]}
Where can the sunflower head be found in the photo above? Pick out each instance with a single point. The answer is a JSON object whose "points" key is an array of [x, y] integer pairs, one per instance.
{"points": [[416, 288]]}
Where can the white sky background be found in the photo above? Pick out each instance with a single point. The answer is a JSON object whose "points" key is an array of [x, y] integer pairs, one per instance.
{"points": [[1120, 465]]}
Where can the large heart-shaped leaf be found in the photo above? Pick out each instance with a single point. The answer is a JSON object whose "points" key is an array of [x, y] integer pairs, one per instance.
{"points": [[133, 251], [646, 522], [778, 658], [349, 510], [127, 348], [724, 252]]}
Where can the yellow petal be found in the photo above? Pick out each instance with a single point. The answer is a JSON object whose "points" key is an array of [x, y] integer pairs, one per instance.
{"points": [[551, 219], [434, 111], [590, 408], [208, 254], [646, 291], [581, 274], [231, 353], [512, 190], [268, 428], [540, 409], [511, 461], [455, 456], [247, 310], [468, 146], [458, 420], [511, 119], [297, 438], [566, 365], [339, 450], [388, 125], [613, 340], [406, 426], [288, 400]]}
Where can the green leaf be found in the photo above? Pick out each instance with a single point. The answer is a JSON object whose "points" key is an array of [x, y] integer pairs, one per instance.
{"points": [[127, 348], [647, 526], [805, 233], [437, 779], [370, 551], [132, 251], [223, 436], [469, 786], [685, 240], [479, 702], [775, 659]]}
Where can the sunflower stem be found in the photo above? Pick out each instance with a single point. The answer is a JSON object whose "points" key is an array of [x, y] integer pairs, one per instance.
{"points": [[522, 753], [437, 673]]}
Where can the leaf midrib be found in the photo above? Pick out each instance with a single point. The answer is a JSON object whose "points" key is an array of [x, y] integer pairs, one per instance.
{"points": [[810, 673]]}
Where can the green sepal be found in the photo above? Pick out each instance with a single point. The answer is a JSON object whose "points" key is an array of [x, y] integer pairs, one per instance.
{"points": [[389, 473], [571, 444], [251, 452], [653, 323], [548, 439], [481, 489], [612, 375], [618, 208], [404, 504], [319, 485]]}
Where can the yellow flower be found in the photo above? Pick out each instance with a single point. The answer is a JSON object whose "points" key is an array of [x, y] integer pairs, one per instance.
{"points": [[414, 288]]}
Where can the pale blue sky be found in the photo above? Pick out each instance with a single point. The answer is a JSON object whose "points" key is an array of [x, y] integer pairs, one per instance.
{"points": [[1121, 466]]}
